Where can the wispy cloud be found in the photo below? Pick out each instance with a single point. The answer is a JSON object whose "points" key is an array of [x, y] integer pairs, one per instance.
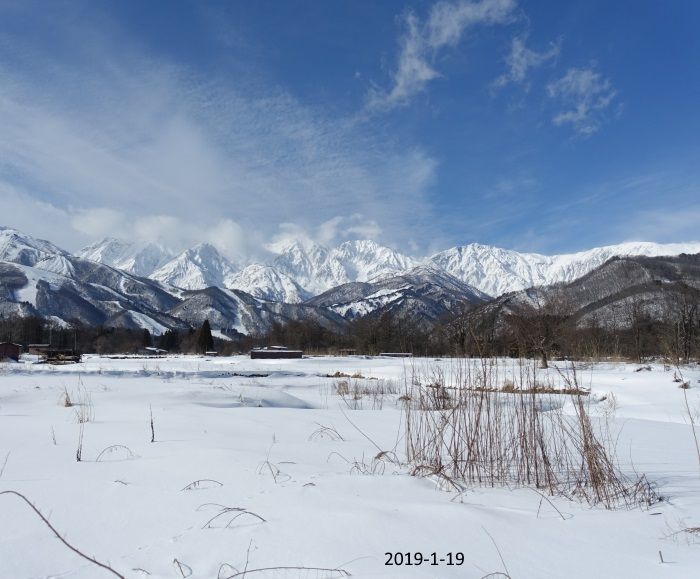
{"points": [[337, 229], [664, 224], [585, 95], [422, 41], [131, 145], [522, 59]]}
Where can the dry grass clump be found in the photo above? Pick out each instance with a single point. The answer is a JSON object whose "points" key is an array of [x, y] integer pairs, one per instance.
{"points": [[65, 400], [355, 392], [476, 433], [356, 375], [81, 402], [538, 388]]}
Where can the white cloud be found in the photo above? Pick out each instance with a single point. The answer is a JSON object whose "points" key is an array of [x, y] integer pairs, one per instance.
{"points": [[99, 222], [586, 95], [129, 145], [663, 224], [422, 41], [331, 232], [521, 59], [328, 232], [363, 228]]}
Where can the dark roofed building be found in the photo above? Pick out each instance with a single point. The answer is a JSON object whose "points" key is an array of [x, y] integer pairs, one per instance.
{"points": [[274, 352], [10, 351]]}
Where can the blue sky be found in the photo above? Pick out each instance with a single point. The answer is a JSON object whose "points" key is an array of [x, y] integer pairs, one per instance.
{"points": [[539, 126]]}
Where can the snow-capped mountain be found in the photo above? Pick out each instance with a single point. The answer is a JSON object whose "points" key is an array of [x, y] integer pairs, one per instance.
{"points": [[496, 271], [17, 247], [196, 268], [354, 279], [72, 290], [266, 283], [139, 259], [317, 268]]}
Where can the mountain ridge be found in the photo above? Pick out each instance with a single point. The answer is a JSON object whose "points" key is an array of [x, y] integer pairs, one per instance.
{"points": [[303, 269], [365, 279]]}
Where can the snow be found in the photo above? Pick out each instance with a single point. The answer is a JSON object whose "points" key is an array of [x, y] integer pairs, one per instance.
{"points": [[132, 257], [148, 323], [369, 304], [236, 421], [34, 276], [196, 268], [317, 268], [18, 247], [266, 283], [219, 334], [57, 264]]}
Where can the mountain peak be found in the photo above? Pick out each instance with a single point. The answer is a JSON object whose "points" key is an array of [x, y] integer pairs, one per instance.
{"points": [[197, 267], [132, 257], [18, 247]]}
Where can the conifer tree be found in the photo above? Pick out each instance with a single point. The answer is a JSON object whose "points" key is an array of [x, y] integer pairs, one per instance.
{"points": [[205, 341]]}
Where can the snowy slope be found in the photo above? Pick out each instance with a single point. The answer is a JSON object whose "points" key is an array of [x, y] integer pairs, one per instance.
{"points": [[18, 247], [199, 267], [496, 271], [317, 268], [265, 282], [69, 290], [139, 259]]}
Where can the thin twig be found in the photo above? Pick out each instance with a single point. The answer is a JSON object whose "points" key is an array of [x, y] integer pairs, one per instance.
{"points": [[4, 464], [59, 537], [182, 567], [360, 431], [153, 432], [692, 423], [114, 447], [500, 555], [196, 484], [550, 502]]}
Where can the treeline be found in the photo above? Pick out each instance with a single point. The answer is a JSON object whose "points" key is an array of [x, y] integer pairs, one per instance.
{"points": [[544, 332], [367, 336], [550, 331], [671, 331], [104, 340]]}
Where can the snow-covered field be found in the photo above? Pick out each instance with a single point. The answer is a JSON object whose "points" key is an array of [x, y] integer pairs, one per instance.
{"points": [[253, 432]]}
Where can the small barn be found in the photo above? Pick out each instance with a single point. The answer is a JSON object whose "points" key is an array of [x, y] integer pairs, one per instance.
{"points": [[10, 351], [274, 353], [38, 349]]}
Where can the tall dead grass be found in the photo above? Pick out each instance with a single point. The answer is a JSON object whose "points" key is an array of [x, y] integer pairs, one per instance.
{"points": [[468, 429]]}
